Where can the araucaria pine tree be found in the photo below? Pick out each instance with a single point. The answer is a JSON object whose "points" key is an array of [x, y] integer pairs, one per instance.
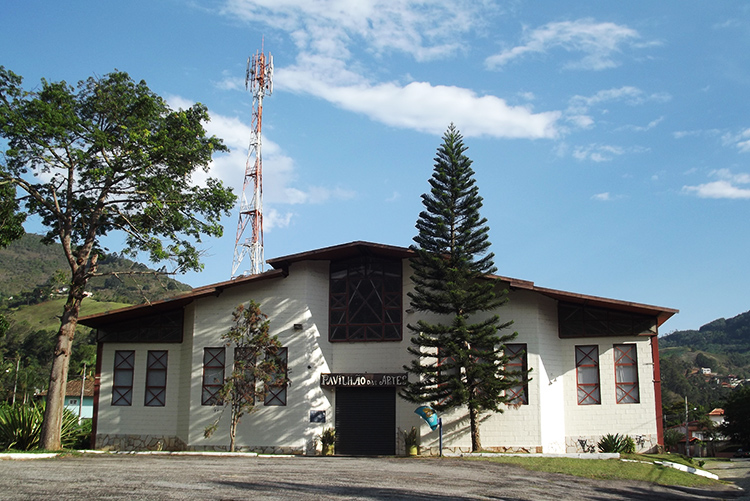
{"points": [[460, 360]]}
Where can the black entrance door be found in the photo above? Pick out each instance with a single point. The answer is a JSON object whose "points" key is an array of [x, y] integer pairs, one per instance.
{"points": [[366, 421]]}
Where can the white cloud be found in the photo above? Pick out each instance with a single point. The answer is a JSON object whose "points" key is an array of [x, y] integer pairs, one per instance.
{"points": [[606, 197], [597, 152], [425, 107], [698, 133], [580, 121], [740, 140], [647, 127], [685, 133], [274, 219], [579, 108], [327, 31], [599, 42], [316, 195], [728, 185], [230, 82], [631, 96], [279, 170], [425, 30]]}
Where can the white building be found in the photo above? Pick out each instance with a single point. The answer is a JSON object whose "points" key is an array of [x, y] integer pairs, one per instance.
{"points": [[341, 313]]}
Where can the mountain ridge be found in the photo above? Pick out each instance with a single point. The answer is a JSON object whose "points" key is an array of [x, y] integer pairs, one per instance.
{"points": [[35, 271]]}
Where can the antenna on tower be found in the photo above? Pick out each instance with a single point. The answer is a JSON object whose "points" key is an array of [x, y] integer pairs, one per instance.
{"points": [[259, 80]]}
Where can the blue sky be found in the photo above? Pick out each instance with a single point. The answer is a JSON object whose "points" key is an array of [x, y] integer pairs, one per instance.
{"points": [[610, 140]]}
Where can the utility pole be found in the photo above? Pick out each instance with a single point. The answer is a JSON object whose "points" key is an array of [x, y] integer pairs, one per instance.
{"points": [[80, 402], [687, 429], [15, 380]]}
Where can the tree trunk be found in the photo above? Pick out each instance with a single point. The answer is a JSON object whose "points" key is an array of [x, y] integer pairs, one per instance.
{"points": [[476, 441], [53, 413], [232, 432]]}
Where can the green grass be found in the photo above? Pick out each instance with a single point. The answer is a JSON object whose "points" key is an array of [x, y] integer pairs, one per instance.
{"points": [[609, 469], [45, 316], [673, 458]]}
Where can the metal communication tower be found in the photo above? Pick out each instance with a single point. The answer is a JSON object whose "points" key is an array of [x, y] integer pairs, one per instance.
{"points": [[259, 79]]}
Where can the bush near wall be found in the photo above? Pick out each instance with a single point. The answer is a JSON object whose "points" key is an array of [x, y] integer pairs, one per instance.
{"points": [[21, 425]]}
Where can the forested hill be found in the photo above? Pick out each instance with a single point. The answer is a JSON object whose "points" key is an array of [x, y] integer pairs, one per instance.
{"points": [[707, 364], [725, 336], [28, 270]]}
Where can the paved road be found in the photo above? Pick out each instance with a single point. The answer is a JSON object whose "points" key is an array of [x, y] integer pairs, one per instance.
{"points": [[301, 478], [737, 471]]}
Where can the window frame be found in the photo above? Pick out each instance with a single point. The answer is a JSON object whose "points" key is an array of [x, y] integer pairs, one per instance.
{"points": [[582, 388], [156, 364], [124, 364], [276, 394], [519, 394], [365, 300], [242, 353], [210, 390], [621, 391]]}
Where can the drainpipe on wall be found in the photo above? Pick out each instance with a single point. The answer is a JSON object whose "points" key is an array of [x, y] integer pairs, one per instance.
{"points": [[97, 380], [657, 389]]}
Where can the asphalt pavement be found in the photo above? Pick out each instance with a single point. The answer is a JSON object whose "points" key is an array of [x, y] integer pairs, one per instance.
{"points": [[120, 477]]}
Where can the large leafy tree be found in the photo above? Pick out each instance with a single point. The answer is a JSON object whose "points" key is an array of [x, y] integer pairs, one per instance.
{"points": [[737, 416], [107, 156], [11, 227], [460, 361], [257, 366], [11, 220]]}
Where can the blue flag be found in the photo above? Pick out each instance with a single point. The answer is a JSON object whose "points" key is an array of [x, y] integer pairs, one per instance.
{"points": [[428, 414]]}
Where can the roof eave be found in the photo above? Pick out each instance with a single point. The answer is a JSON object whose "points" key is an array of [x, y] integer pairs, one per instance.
{"points": [[662, 314], [173, 303]]}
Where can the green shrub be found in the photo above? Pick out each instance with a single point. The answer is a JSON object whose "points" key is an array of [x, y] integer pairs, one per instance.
{"points": [[411, 437], [82, 435], [21, 426], [672, 437], [616, 443]]}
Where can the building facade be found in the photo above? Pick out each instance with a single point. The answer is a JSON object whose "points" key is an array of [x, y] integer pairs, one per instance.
{"points": [[341, 314]]}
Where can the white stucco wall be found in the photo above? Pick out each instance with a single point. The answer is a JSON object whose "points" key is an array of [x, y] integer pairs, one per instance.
{"points": [[138, 419], [589, 422], [523, 427], [551, 422], [300, 298]]}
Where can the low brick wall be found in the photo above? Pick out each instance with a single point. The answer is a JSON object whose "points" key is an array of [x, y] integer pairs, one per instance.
{"points": [[435, 451], [139, 443], [587, 444], [165, 443]]}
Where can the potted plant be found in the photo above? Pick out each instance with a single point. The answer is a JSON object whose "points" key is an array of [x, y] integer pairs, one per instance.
{"points": [[410, 441], [328, 441]]}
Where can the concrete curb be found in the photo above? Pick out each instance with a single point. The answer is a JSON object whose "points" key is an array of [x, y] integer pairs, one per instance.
{"points": [[184, 453], [595, 455], [574, 455], [20, 456], [688, 469]]}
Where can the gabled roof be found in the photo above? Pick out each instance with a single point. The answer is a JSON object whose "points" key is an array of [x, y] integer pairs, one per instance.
{"points": [[661, 314], [174, 302], [73, 388], [344, 251]]}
